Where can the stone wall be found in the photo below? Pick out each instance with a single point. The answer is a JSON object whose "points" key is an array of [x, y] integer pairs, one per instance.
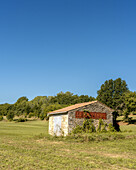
{"points": [[94, 107]]}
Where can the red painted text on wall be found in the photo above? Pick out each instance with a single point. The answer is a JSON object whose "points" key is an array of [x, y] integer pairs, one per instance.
{"points": [[90, 115]]}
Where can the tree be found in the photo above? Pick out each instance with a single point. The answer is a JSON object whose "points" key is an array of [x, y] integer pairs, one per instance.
{"points": [[41, 105], [10, 115], [112, 93], [21, 99], [130, 103]]}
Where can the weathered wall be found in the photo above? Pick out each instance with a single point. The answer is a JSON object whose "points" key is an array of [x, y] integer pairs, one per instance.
{"points": [[51, 125], [64, 124], [94, 107]]}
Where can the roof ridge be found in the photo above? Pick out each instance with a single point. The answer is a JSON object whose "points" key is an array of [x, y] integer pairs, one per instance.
{"points": [[71, 107]]}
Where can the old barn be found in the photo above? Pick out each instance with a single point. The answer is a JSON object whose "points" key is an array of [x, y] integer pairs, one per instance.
{"points": [[62, 121]]}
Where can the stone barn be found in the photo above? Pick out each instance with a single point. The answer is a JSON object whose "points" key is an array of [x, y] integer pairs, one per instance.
{"points": [[62, 121]]}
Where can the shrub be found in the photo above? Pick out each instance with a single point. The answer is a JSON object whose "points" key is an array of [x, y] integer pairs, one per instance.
{"points": [[10, 116], [87, 127], [1, 118], [102, 126], [21, 120], [77, 129], [111, 128], [31, 115], [134, 113], [42, 116], [99, 125], [125, 118]]}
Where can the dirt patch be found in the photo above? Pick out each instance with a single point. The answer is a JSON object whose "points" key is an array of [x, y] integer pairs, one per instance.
{"points": [[114, 155], [122, 123], [66, 150], [107, 154], [57, 142], [43, 141]]}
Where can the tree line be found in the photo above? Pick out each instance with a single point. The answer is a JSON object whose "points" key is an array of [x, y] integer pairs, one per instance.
{"points": [[113, 93], [41, 105]]}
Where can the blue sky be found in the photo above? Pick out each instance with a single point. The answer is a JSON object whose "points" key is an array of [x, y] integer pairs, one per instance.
{"points": [[48, 46]]}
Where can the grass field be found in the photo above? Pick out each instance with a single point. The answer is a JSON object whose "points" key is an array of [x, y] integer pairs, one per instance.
{"points": [[27, 145]]}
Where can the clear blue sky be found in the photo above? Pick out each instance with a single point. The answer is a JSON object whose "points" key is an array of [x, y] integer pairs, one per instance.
{"points": [[48, 46]]}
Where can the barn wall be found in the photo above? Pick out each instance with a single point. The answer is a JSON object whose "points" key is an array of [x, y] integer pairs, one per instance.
{"points": [[64, 124], [51, 125], [95, 107]]}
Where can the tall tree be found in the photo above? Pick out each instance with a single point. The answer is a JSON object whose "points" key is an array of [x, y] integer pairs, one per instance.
{"points": [[22, 99], [112, 93], [130, 101]]}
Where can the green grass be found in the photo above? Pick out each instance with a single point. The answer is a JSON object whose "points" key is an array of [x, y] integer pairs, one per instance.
{"points": [[27, 145]]}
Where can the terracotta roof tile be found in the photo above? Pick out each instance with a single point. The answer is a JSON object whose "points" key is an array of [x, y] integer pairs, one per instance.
{"points": [[72, 107]]}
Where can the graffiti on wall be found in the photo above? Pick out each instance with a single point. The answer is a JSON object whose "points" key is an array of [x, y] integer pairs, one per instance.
{"points": [[90, 115]]}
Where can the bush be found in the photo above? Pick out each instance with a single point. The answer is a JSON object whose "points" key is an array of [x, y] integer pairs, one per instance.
{"points": [[21, 120], [42, 116], [111, 128], [77, 129], [31, 115], [102, 126], [134, 113], [10, 116], [125, 118], [99, 125], [1, 118], [87, 127]]}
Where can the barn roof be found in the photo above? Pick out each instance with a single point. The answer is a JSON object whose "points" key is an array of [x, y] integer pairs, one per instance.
{"points": [[75, 106]]}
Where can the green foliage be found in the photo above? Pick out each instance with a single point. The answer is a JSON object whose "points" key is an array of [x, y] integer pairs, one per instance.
{"points": [[21, 120], [31, 115], [130, 103], [87, 127], [134, 113], [4, 108], [1, 118], [126, 113], [41, 105], [112, 93], [101, 126], [10, 115], [111, 128], [77, 129], [22, 99], [42, 116]]}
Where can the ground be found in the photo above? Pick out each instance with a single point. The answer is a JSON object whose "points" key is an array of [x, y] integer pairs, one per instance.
{"points": [[27, 145]]}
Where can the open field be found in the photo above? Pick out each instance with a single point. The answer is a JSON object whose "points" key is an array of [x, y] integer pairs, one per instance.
{"points": [[27, 146]]}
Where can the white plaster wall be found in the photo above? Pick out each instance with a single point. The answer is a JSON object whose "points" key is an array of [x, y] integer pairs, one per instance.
{"points": [[64, 124]]}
